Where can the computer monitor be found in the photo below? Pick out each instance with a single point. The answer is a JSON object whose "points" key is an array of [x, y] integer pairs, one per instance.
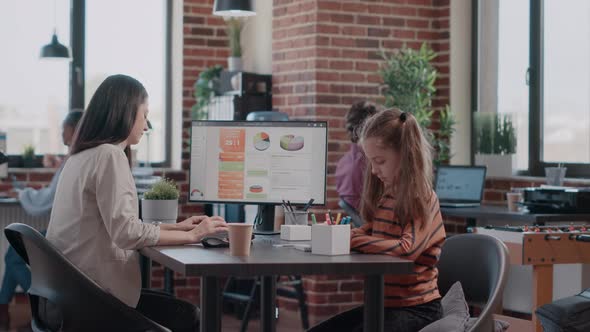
{"points": [[258, 162]]}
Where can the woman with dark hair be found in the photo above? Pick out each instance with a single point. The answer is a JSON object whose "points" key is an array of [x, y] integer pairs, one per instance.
{"points": [[95, 221]]}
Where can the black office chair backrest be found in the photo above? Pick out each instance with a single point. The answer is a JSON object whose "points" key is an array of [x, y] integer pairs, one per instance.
{"points": [[59, 285], [480, 263]]}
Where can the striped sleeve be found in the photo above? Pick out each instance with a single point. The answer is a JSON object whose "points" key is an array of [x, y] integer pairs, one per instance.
{"points": [[413, 239]]}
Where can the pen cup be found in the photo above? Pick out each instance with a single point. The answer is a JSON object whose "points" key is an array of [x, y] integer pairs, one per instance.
{"points": [[555, 175], [240, 237], [295, 217], [330, 239]]}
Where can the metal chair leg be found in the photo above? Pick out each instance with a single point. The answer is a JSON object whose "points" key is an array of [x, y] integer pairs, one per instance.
{"points": [[248, 309], [302, 302]]}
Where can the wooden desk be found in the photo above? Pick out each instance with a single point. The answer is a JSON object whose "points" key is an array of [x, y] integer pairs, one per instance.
{"points": [[269, 261], [499, 215]]}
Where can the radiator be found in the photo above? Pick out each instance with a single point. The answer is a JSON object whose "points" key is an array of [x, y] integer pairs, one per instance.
{"points": [[14, 213]]}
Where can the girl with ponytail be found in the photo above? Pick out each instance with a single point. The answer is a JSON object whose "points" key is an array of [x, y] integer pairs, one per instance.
{"points": [[402, 218]]}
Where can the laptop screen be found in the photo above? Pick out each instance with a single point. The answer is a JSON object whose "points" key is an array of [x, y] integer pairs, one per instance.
{"points": [[460, 183]]}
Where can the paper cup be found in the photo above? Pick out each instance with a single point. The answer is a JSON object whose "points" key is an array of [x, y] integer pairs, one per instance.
{"points": [[240, 237], [513, 199]]}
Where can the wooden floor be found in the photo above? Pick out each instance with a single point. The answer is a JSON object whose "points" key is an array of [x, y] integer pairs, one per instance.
{"points": [[288, 321]]}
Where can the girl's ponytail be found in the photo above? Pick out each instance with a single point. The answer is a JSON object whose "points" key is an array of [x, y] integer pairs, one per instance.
{"points": [[415, 171]]}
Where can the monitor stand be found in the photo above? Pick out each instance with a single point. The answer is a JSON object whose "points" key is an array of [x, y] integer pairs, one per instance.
{"points": [[264, 222]]}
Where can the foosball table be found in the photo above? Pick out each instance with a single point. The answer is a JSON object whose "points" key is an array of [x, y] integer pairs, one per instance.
{"points": [[542, 247]]}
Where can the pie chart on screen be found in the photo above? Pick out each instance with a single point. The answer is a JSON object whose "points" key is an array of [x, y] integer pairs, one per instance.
{"points": [[261, 141], [291, 142]]}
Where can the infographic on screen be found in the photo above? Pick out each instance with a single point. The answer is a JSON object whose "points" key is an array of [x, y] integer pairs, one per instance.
{"points": [[258, 162]]}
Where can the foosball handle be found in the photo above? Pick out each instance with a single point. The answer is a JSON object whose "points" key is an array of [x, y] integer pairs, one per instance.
{"points": [[583, 238]]}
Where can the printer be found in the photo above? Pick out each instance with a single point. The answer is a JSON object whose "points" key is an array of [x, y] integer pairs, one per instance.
{"points": [[548, 199]]}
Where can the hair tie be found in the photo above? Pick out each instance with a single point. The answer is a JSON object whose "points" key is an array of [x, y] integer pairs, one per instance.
{"points": [[403, 117]]}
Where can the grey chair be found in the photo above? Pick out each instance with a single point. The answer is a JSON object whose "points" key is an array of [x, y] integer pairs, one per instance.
{"points": [[63, 298], [480, 263]]}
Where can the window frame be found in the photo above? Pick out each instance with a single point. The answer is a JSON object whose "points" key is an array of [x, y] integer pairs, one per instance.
{"points": [[78, 70], [536, 166]]}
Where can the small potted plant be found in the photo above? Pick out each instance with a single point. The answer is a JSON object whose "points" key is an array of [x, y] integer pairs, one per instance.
{"points": [[28, 156], [160, 203], [495, 143]]}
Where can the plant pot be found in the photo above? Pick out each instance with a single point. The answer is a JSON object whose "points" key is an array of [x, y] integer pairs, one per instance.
{"points": [[234, 63], [497, 164], [165, 211]]}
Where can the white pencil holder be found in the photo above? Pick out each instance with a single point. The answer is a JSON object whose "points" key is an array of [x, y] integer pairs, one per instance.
{"points": [[296, 232], [330, 239]]}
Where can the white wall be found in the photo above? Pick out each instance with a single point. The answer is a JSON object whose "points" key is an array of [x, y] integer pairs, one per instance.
{"points": [[257, 39], [460, 26], [177, 54]]}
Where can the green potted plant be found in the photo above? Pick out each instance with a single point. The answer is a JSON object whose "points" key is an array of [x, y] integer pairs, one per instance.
{"points": [[28, 156], [160, 203], [206, 86], [495, 143], [234, 32], [409, 78]]}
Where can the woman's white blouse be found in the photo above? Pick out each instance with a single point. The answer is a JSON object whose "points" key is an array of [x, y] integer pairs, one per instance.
{"points": [[95, 220]]}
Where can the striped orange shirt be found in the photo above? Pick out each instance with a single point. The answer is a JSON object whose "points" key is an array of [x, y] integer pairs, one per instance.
{"points": [[385, 235]]}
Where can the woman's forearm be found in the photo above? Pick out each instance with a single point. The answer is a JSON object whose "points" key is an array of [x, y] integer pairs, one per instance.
{"points": [[175, 237], [169, 227]]}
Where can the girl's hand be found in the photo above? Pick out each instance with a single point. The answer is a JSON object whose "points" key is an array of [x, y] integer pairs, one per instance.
{"points": [[208, 226]]}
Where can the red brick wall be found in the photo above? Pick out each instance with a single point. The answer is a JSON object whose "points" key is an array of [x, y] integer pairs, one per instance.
{"points": [[325, 57]]}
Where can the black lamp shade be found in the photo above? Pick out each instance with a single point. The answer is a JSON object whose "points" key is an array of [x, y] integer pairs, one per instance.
{"points": [[232, 8], [55, 49]]}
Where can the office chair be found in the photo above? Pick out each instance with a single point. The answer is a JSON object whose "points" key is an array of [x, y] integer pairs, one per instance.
{"points": [[480, 263], [59, 287]]}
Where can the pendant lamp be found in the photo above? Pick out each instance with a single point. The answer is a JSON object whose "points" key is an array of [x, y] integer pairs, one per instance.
{"points": [[55, 49], [233, 8]]}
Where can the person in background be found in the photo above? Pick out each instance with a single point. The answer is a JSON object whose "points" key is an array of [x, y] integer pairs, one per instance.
{"points": [[35, 202], [351, 167], [95, 222], [403, 219]]}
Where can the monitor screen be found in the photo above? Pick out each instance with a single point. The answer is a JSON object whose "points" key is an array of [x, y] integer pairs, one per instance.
{"points": [[258, 162], [460, 182]]}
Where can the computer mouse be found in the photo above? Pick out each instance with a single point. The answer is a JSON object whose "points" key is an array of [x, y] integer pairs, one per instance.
{"points": [[214, 242]]}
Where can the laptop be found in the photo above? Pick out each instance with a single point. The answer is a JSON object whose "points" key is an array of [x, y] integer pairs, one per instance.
{"points": [[460, 186]]}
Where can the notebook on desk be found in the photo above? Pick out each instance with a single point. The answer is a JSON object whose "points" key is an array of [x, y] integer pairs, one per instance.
{"points": [[460, 186]]}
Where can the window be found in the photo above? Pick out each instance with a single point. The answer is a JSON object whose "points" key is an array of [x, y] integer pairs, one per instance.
{"points": [[35, 93], [134, 47], [533, 63], [566, 81]]}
